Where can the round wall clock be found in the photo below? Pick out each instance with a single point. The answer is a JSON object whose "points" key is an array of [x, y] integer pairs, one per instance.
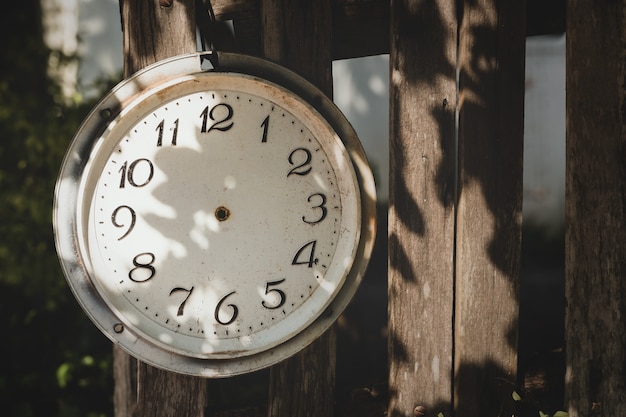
{"points": [[214, 217]]}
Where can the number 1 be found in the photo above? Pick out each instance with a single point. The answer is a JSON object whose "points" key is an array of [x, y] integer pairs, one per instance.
{"points": [[265, 125]]}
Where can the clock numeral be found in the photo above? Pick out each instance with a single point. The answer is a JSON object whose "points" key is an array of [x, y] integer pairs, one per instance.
{"points": [[220, 124], [143, 271], [130, 227], [265, 125], [311, 260], [300, 158], [129, 172], [181, 307], [321, 206], [161, 127], [233, 307], [273, 293]]}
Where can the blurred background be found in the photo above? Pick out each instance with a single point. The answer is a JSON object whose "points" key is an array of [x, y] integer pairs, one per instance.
{"points": [[60, 56]]}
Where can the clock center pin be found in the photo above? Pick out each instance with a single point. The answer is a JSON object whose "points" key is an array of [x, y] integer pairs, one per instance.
{"points": [[222, 213]]}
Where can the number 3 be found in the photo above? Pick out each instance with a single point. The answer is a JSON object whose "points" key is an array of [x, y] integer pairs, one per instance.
{"points": [[321, 206]]}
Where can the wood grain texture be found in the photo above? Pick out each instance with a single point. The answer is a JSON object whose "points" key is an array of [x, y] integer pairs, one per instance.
{"points": [[152, 33], [161, 393], [361, 27], [595, 212], [298, 35], [304, 385], [125, 378], [489, 212], [421, 205]]}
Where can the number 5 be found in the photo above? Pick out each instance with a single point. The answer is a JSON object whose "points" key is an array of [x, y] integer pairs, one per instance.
{"points": [[279, 293]]}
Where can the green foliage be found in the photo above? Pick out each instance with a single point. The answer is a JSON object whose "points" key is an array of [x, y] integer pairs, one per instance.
{"points": [[518, 398], [56, 363]]}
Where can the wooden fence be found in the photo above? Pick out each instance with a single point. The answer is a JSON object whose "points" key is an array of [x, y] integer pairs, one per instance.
{"points": [[455, 229]]}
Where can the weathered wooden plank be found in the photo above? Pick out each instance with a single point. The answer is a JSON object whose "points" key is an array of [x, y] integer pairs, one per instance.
{"points": [[360, 28], [227, 9], [297, 35], [421, 205], [304, 385], [545, 17], [151, 33], [161, 393], [125, 379], [595, 211], [489, 212]]}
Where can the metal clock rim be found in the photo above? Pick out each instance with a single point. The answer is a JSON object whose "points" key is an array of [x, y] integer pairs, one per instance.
{"points": [[66, 191]]}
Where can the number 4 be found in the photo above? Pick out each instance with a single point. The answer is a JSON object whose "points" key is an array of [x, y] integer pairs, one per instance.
{"points": [[311, 258]]}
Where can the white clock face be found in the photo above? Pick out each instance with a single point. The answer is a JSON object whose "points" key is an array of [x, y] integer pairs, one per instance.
{"points": [[221, 216]]}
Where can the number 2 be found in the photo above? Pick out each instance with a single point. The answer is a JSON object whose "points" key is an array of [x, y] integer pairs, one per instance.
{"points": [[300, 168]]}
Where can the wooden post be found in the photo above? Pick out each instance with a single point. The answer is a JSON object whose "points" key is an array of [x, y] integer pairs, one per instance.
{"points": [[154, 30], [454, 249], [595, 210], [421, 205], [489, 212], [297, 34]]}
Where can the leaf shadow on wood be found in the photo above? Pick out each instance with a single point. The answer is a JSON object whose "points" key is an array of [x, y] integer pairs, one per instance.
{"points": [[491, 141], [480, 386], [480, 168]]}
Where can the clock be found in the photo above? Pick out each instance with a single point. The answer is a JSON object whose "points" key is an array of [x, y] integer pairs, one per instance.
{"points": [[214, 214]]}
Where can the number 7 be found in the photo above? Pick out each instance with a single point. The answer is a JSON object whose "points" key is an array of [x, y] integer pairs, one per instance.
{"points": [[181, 307]]}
